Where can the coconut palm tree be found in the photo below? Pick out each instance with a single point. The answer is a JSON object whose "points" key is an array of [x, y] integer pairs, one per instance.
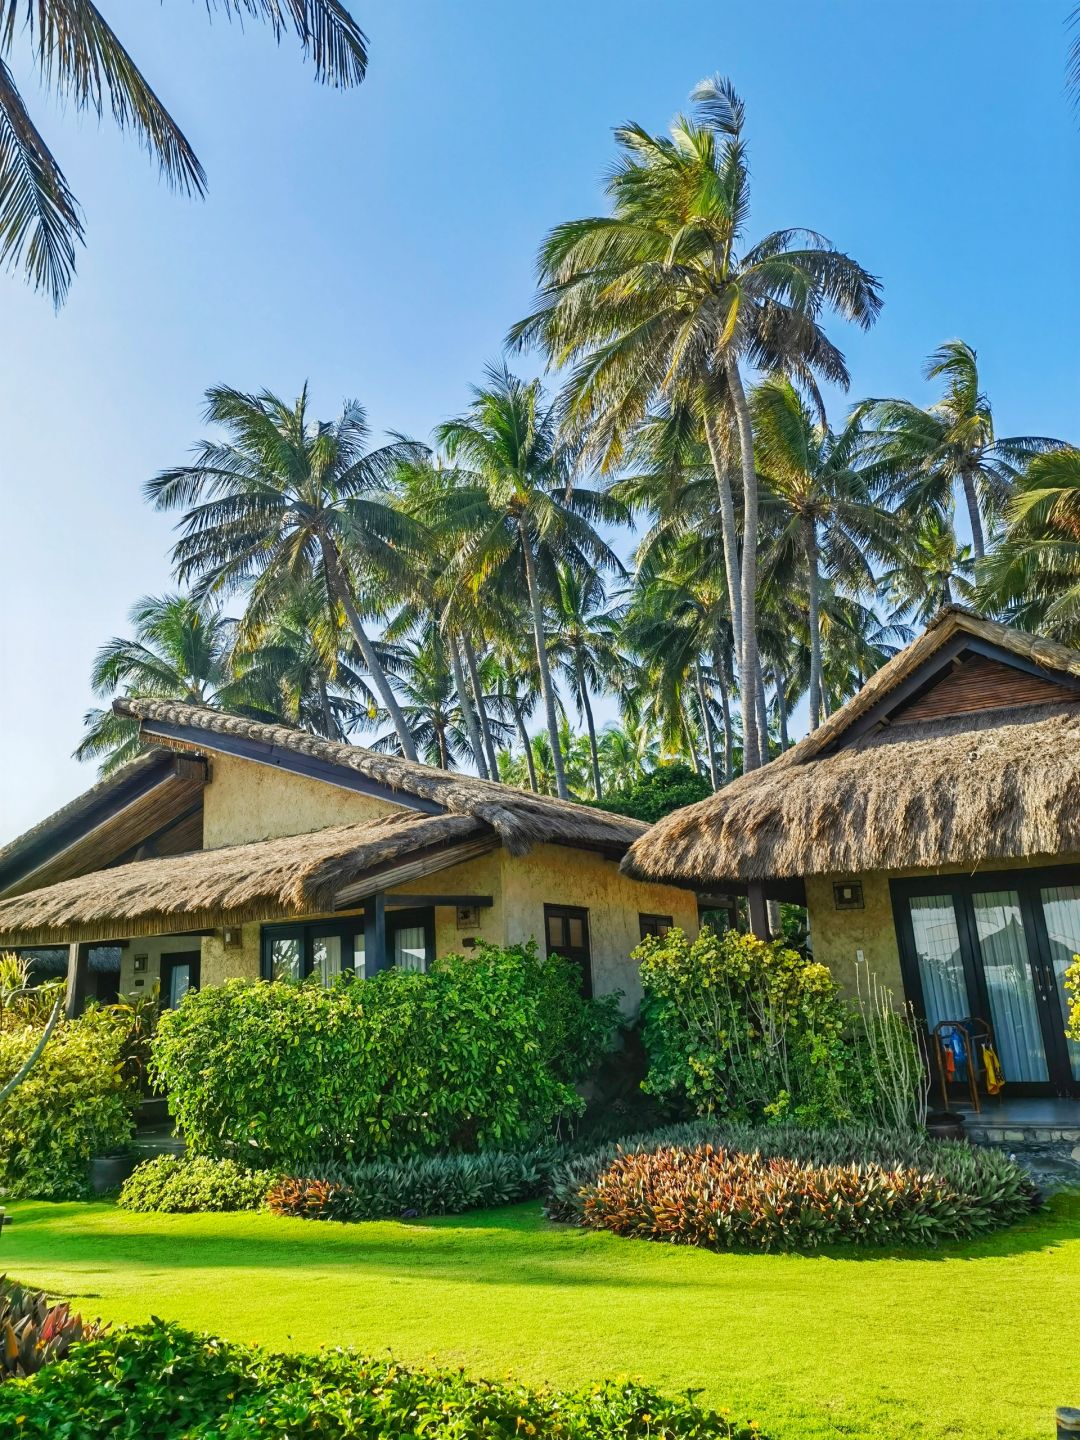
{"points": [[664, 299], [932, 568], [628, 752], [585, 647], [829, 521], [1033, 576], [284, 501], [521, 517], [430, 701], [951, 445], [181, 650], [76, 53]]}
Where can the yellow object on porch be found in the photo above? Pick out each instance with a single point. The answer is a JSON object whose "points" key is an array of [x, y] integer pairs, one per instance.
{"points": [[995, 1078]]}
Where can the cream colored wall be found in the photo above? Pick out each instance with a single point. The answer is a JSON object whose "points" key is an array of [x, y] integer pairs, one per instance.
{"points": [[838, 935], [153, 947], [520, 887], [247, 801], [558, 875]]}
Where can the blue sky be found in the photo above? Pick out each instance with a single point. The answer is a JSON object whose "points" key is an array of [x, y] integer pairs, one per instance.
{"points": [[379, 242]]}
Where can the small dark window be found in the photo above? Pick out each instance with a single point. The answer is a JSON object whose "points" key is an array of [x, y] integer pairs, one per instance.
{"points": [[848, 895], [566, 933], [657, 925]]}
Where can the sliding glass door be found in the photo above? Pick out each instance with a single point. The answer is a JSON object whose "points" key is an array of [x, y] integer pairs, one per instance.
{"points": [[995, 947]]}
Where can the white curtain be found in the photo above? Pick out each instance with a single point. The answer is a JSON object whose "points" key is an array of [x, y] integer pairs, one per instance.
{"points": [[326, 957], [1061, 907], [410, 948], [941, 969], [1009, 982]]}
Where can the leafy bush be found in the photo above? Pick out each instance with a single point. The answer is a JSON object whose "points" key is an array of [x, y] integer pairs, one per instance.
{"points": [[33, 1332], [79, 1100], [992, 1189], [1072, 991], [180, 1184], [481, 1053], [725, 1198], [736, 1026], [161, 1380], [659, 793], [432, 1185]]}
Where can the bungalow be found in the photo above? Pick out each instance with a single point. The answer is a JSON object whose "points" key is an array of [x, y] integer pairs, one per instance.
{"points": [[931, 826], [232, 848]]}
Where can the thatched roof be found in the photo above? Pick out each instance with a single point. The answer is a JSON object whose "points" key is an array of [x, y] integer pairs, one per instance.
{"points": [[992, 785], [518, 817], [264, 880]]}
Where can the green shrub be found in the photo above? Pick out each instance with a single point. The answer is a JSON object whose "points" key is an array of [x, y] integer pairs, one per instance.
{"points": [[481, 1053], [159, 1380], [180, 1184], [34, 1332], [739, 1027], [1072, 991], [79, 1100], [994, 1190], [424, 1185]]}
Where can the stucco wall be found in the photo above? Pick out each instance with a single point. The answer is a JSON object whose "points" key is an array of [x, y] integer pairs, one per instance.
{"points": [[247, 801], [838, 935], [557, 875]]}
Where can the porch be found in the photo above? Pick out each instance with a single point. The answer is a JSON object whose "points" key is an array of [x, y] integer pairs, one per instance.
{"points": [[1017, 1120]]}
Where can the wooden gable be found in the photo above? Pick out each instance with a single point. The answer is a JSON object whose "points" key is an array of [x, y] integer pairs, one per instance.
{"points": [[974, 682]]}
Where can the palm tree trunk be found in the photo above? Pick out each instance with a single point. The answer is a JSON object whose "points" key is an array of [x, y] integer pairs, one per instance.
{"points": [[465, 703], [526, 746], [781, 710], [978, 539], [728, 532], [748, 661], [706, 723], [481, 709], [546, 687], [813, 591], [342, 592], [721, 664], [586, 705], [444, 757], [689, 739], [762, 714], [327, 713]]}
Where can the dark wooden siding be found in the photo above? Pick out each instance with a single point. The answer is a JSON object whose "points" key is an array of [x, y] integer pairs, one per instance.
{"points": [[980, 684]]}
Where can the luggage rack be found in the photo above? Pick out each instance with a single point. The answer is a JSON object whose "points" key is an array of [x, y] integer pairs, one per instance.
{"points": [[974, 1033]]}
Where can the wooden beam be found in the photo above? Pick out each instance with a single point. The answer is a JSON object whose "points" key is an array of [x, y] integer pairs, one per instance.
{"points": [[759, 910], [400, 899], [78, 977], [375, 956], [413, 867]]}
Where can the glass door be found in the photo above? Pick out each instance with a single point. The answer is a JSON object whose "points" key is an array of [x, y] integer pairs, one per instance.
{"points": [[995, 948]]}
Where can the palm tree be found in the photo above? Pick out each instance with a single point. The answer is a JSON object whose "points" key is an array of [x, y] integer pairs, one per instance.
{"points": [[584, 645], [829, 521], [932, 568], [951, 444], [1033, 576], [662, 299], [430, 702], [180, 651], [521, 516], [76, 53], [627, 752], [515, 691], [296, 669], [284, 501]]}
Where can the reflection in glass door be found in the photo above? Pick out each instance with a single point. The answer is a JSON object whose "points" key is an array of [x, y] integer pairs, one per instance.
{"points": [[1010, 985], [941, 967], [1061, 910]]}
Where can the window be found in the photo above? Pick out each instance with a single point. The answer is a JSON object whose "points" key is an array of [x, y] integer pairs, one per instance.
{"points": [[566, 933], [657, 925], [327, 948], [410, 938]]}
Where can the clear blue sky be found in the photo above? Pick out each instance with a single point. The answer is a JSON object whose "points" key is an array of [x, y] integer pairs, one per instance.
{"points": [[379, 242]]}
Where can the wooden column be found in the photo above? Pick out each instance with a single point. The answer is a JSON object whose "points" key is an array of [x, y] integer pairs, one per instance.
{"points": [[759, 910], [375, 956], [78, 979]]}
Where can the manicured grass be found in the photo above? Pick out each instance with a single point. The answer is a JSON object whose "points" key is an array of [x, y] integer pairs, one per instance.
{"points": [[973, 1342]]}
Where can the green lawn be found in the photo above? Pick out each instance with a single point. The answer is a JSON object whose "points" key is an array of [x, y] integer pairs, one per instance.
{"points": [[975, 1342]]}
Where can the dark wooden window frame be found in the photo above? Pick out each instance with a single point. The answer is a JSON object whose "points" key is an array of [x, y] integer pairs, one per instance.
{"points": [[651, 924], [580, 955], [396, 920], [168, 963], [305, 931], [1026, 883]]}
